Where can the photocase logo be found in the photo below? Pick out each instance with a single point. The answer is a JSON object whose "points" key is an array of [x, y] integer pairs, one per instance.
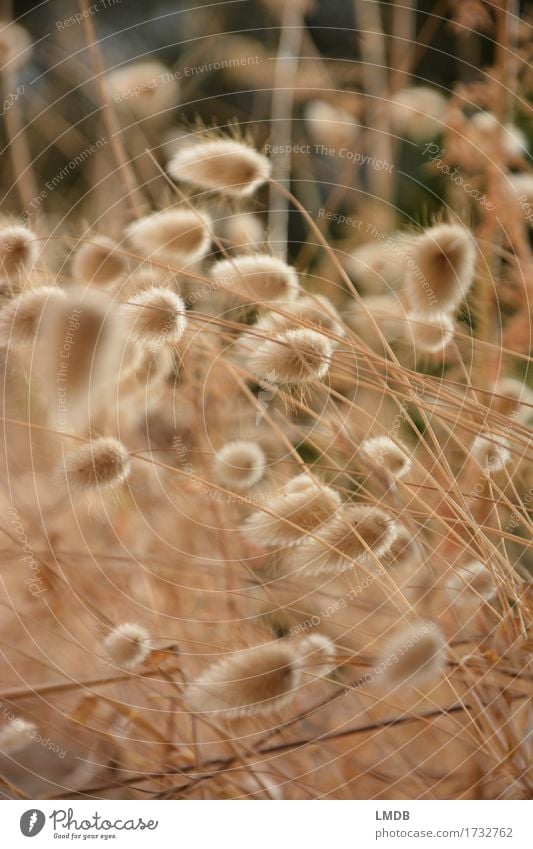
{"points": [[32, 822]]}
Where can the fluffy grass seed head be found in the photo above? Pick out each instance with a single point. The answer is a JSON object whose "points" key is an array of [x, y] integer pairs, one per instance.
{"points": [[20, 319], [387, 312], [18, 250], [157, 317], [316, 310], [15, 735], [404, 550], [472, 583], [256, 279], [377, 267], [418, 112], [414, 655], [98, 261], [303, 502], [147, 276], [382, 451], [514, 141], [440, 270], [173, 235], [243, 230], [81, 342], [489, 131], [102, 464], [521, 185], [357, 532], [319, 653], [15, 45], [491, 452], [292, 357], [330, 125], [128, 645], [145, 89], [517, 398], [255, 681], [429, 334], [239, 465], [222, 165]]}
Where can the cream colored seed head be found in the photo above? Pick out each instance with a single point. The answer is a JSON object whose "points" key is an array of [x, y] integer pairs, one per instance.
{"points": [[239, 465], [354, 535], [255, 681], [21, 318], [472, 583], [517, 398], [330, 125], [418, 112], [415, 655], [96, 466], [98, 261], [256, 279], [521, 185], [176, 235], [377, 267], [440, 269], [303, 505], [145, 89], [157, 317], [292, 357], [128, 645], [18, 250], [385, 311], [15, 735], [15, 45], [81, 341], [221, 165], [489, 132], [311, 309], [491, 452], [319, 654], [243, 230], [382, 451], [430, 334]]}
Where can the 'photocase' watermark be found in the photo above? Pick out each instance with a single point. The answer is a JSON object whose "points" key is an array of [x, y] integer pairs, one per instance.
{"points": [[34, 583], [436, 155]]}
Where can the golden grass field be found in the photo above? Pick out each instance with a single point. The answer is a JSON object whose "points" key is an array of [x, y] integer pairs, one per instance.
{"points": [[265, 336]]}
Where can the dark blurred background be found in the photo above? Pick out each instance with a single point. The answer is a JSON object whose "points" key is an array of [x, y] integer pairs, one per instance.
{"points": [[60, 70]]}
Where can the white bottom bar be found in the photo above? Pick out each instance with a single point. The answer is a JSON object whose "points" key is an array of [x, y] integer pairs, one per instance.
{"points": [[262, 825]]}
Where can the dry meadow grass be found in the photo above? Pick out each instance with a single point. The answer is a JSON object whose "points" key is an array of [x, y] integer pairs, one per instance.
{"points": [[265, 327]]}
